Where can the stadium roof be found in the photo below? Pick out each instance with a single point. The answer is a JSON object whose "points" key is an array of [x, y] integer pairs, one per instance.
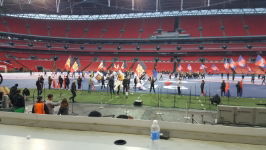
{"points": [[99, 7]]}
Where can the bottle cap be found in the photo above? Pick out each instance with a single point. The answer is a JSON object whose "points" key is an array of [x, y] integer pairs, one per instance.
{"points": [[155, 122]]}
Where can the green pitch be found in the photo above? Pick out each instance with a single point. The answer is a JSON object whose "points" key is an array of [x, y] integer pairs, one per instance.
{"points": [[153, 100]]}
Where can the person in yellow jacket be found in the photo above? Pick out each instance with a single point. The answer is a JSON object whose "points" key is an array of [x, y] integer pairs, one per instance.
{"points": [[40, 107]]}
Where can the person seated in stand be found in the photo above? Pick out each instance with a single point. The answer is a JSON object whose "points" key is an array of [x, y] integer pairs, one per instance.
{"points": [[63, 110], [40, 107], [18, 102], [50, 104], [26, 93]]}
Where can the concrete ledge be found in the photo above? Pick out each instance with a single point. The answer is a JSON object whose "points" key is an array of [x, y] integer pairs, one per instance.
{"points": [[176, 130]]}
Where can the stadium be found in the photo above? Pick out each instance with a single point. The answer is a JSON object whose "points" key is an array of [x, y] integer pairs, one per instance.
{"points": [[75, 73]]}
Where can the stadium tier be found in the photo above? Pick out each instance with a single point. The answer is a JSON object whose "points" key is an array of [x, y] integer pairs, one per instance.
{"points": [[194, 26]]}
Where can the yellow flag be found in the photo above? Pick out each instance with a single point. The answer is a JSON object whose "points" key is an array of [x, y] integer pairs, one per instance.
{"points": [[75, 67]]}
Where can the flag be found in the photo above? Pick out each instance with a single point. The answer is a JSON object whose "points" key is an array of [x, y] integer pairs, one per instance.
{"points": [[214, 68], [202, 67], [179, 67], [260, 61], [189, 68], [74, 67], [139, 70], [226, 64], [100, 66], [241, 61], [249, 69], [67, 65], [232, 64], [122, 66]]}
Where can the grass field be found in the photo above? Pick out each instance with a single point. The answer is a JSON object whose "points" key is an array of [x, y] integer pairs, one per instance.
{"points": [[154, 100]]}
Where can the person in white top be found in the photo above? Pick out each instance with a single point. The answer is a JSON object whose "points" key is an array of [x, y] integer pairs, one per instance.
{"points": [[50, 104]]}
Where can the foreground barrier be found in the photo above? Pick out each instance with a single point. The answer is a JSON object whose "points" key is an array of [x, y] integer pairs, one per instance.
{"points": [[176, 130], [241, 115]]}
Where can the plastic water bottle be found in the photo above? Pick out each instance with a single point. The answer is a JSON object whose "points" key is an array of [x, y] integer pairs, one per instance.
{"points": [[155, 135]]}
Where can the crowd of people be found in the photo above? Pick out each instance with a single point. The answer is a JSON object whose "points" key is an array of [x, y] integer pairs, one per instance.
{"points": [[41, 106], [114, 81]]}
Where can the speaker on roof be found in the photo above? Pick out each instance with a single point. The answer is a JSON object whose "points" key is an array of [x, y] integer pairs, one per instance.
{"points": [[224, 47], [178, 60], [178, 48]]}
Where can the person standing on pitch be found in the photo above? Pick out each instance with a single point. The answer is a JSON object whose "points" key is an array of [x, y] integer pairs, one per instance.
{"points": [[103, 82], [227, 89], [126, 83], [135, 83], [50, 80], [152, 80], [79, 80], [111, 84], [67, 82], [202, 87], [39, 87], [73, 91], [1, 78], [263, 80], [253, 78], [222, 88], [60, 81], [179, 85]]}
